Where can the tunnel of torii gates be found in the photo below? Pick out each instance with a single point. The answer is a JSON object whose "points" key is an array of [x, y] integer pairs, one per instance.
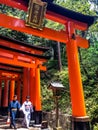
{"points": [[14, 53]]}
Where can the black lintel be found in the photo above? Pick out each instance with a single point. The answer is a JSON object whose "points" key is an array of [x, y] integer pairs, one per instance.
{"points": [[89, 20], [10, 70], [24, 52], [44, 49], [12, 66]]}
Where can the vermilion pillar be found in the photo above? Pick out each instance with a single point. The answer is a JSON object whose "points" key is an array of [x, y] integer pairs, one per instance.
{"points": [[25, 89], [76, 90], [0, 90], [12, 89], [18, 90], [38, 109], [32, 86], [37, 90], [5, 99]]}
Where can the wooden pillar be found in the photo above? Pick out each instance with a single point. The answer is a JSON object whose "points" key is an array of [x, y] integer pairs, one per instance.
{"points": [[18, 90], [79, 118], [76, 89], [26, 76], [32, 86], [37, 89], [5, 99], [12, 89], [0, 91], [38, 109]]}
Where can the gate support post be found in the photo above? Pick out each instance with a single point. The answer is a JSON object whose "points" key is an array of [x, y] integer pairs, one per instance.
{"points": [[32, 85], [76, 89], [5, 99], [0, 91], [80, 123], [18, 90], [25, 91], [38, 109], [12, 89]]}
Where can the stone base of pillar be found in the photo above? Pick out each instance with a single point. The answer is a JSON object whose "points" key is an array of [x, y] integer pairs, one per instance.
{"points": [[81, 123], [3, 111], [44, 125], [38, 117], [57, 128]]}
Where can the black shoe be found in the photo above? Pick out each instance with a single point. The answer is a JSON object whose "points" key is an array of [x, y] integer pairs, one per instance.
{"points": [[11, 126], [15, 128]]}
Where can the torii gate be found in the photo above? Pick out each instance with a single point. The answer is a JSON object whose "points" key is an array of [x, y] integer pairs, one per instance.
{"points": [[72, 22], [28, 56]]}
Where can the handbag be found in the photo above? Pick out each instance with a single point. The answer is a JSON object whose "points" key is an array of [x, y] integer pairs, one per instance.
{"points": [[8, 120]]}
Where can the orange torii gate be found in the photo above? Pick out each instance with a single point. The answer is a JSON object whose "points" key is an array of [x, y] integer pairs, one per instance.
{"points": [[8, 76], [73, 21], [13, 52]]}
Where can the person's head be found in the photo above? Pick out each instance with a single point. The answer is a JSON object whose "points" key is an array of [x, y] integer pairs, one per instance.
{"points": [[27, 98], [15, 97]]}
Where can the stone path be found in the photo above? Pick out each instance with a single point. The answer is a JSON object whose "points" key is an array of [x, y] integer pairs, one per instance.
{"points": [[5, 126]]}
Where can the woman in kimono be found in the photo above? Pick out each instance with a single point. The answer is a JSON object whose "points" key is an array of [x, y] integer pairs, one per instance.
{"points": [[27, 108]]}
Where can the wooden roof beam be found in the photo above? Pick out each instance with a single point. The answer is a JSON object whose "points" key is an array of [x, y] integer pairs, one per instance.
{"points": [[56, 13], [23, 45], [19, 25], [9, 58], [24, 53]]}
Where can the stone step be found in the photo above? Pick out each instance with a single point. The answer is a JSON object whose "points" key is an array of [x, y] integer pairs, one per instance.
{"points": [[4, 125]]}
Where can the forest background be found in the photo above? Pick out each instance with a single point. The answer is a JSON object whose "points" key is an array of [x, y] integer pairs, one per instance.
{"points": [[57, 68]]}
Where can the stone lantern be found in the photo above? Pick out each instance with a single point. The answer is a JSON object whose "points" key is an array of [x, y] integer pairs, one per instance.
{"points": [[56, 88]]}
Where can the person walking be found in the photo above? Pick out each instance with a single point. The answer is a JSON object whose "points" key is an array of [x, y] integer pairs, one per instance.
{"points": [[27, 108], [13, 108]]}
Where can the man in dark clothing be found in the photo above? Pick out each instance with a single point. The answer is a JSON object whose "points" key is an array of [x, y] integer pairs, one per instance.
{"points": [[13, 107]]}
